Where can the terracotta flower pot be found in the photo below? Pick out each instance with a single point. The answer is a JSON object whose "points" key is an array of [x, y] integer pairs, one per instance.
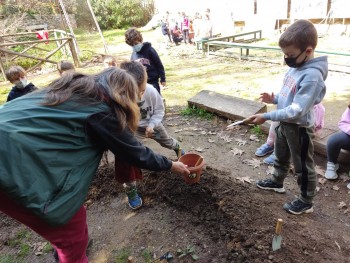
{"points": [[195, 164]]}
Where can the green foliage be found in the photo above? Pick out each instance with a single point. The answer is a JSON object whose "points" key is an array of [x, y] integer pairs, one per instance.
{"points": [[257, 130], [17, 240], [8, 259], [147, 256], [197, 112], [123, 13], [122, 256], [189, 250], [47, 248], [24, 250]]}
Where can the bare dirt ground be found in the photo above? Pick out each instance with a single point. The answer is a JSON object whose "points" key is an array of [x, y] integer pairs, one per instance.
{"points": [[224, 218]]}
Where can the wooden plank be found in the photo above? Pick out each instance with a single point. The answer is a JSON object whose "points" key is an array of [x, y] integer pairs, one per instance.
{"points": [[227, 106], [25, 55]]}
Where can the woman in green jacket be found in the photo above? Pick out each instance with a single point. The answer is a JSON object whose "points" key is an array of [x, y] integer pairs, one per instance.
{"points": [[52, 142]]}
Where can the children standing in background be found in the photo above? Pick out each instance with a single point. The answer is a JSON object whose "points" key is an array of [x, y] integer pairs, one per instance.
{"points": [[185, 28], [150, 126], [336, 142], [17, 76], [144, 53], [65, 66], [109, 61], [303, 87]]}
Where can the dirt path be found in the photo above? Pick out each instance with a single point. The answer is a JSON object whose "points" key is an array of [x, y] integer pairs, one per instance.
{"points": [[225, 218]]}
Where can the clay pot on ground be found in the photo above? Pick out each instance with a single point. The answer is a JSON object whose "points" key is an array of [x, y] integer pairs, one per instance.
{"points": [[195, 164]]}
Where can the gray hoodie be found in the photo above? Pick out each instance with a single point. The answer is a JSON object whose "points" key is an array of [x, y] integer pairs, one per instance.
{"points": [[302, 88]]}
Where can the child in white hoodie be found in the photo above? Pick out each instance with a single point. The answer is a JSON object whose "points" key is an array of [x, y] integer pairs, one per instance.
{"points": [[150, 126]]}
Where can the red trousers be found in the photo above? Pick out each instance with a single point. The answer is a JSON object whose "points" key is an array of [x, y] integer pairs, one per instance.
{"points": [[70, 240]]}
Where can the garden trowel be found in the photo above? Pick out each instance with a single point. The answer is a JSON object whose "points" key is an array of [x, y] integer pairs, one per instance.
{"points": [[277, 238], [237, 123]]}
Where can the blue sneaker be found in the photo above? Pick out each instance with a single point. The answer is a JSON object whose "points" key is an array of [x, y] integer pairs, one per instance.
{"points": [[263, 150], [270, 159], [134, 200], [298, 207]]}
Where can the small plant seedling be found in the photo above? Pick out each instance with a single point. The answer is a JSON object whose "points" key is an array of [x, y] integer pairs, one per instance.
{"points": [[197, 112], [257, 130], [189, 250], [122, 255]]}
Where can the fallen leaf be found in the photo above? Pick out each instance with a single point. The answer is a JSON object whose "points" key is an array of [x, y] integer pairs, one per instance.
{"points": [[245, 179], [203, 132], [253, 137], [253, 162], [240, 142], [342, 204], [199, 149], [211, 133], [346, 210], [180, 130], [236, 151], [318, 188], [322, 180], [336, 188], [319, 170], [211, 140], [269, 170]]}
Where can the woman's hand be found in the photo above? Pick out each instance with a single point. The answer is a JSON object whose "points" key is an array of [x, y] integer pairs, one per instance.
{"points": [[180, 168], [267, 98]]}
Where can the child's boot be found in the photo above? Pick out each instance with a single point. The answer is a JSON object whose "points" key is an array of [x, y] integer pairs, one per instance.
{"points": [[331, 172]]}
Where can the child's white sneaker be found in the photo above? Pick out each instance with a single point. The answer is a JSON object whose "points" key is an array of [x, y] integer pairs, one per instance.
{"points": [[331, 173]]}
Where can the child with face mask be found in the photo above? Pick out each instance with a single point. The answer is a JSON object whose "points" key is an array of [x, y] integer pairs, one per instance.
{"points": [[303, 87], [17, 76], [144, 53]]}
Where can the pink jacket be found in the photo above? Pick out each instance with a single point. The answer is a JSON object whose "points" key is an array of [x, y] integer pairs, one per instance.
{"points": [[344, 123]]}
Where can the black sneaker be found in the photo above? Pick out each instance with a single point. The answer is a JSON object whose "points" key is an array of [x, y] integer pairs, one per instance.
{"points": [[268, 184], [298, 207]]}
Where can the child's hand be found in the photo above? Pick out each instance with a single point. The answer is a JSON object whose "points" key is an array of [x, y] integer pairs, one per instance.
{"points": [[149, 132], [163, 84], [255, 119], [267, 98]]}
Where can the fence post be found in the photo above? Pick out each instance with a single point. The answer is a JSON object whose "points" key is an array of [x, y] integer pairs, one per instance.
{"points": [[74, 53], [2, 66]]}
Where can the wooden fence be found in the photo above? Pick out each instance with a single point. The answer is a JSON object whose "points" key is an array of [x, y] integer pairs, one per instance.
{"points": [[64, 41]]}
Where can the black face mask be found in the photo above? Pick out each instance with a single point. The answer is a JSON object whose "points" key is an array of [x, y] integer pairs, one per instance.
{"points": [[292, 62]]}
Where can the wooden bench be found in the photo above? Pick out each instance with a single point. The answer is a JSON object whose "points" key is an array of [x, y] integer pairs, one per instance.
{"points": [[230, 107], [36, 27], [234, 108], [215, 45], [257, 34]]}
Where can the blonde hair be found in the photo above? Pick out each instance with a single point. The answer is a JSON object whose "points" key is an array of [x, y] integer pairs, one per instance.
{"points": [[113, 86], [15, 73], [65, 65]]}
